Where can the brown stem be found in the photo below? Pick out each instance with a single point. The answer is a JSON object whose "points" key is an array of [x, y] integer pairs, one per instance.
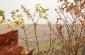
{"points": [[36, 38], [26, 41]]}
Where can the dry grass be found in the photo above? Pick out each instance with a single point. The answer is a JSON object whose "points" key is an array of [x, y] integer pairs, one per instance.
{"points": [[42, 30]]}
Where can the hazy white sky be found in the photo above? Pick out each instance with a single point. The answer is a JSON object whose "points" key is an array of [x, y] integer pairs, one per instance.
{"points": [[9, 5]]}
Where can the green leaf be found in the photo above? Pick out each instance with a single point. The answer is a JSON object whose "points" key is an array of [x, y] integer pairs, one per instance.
{"points": [[37, 9], [37, 4], [40, 15], [13, 18], [23, 7], [17, 23], [1, 13], [2, 20], [35, 24], [44, 10], [45, 17], [12, 12], [8, 27], [61, 0], [17, 10], [8, 20]]}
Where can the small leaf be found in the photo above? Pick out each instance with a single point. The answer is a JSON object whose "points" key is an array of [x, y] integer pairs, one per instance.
{"points": [[1, 13], [2, 20], [12, 12], [44, 10], [37, 9], [17, 10], [35, 24], [13, 17], [8, 20], [17, 23], [37, 4], [40, 15], [8, 27], [22, 20], [45, 17]]}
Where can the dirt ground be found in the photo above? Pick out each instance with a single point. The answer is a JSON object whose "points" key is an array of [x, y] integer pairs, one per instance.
{"points": [[42, 30]]}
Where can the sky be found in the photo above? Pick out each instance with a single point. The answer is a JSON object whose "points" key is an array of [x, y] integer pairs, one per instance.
{"points": [[9, 5]]}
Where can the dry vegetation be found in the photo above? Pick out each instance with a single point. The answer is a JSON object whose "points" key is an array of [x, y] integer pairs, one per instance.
{"points": [[58, 39]]}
